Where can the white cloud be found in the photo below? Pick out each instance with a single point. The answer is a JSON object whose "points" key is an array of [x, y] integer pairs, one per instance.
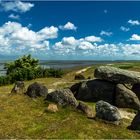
{"points": [[133, 22], [85, 45], [93, 39], [109, 51], [68, 26], [12, 16], [17, 39], [84, 48], [14, 38], [131, 49], [69, 41], [16, 6], [49, 32], [135, 37], [106, 33], [125, 29]]}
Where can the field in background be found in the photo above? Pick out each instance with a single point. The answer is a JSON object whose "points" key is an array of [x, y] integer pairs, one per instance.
{"points": [[22, 117]]}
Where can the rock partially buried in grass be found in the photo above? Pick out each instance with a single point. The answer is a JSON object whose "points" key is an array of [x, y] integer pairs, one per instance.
{"points": [[117, 75], [36, 90], [95, 90], [52, 108], [85, 109], [125, 98], [79, 77], [19, 87], [135, 124], [107, 112], [62, 97]]}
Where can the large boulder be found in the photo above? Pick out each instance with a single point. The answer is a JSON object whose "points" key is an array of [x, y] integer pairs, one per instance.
{"points": [[126, 98], [135, 124], [95, 90], [117, 75], [36, 90], [62, 97], [107, 112], [136, 89], [85, 109], [75, 88]]}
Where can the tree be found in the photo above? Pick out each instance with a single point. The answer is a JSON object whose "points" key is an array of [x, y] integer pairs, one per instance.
{"points": [[25, 62]]}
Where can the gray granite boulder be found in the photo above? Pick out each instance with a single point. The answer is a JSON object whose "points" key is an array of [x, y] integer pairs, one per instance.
{"points": [[117, 75], [95, 90], [107, 112], [62, 97], [36, 90], [126, 98]]}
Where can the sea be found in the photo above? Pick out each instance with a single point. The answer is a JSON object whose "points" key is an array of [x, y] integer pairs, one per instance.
{"points": [[60, 64]]}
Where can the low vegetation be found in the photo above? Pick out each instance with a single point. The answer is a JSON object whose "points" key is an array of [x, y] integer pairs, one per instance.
{"points": [[22, 117], [27, 68]]}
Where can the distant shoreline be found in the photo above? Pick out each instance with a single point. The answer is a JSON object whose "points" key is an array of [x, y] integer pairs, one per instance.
{"points": [[68, 64]]}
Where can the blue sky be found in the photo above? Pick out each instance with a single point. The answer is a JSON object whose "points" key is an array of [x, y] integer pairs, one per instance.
{"points": [[70, 30]]}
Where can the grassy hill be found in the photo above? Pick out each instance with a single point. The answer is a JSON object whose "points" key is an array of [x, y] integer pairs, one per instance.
{"points": [[22, 117]]}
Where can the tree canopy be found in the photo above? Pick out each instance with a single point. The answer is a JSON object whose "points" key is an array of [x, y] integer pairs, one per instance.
{"points": [[24, 62]]}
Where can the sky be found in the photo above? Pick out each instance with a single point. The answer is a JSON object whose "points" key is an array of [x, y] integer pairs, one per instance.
{"points": [[70, 30]]}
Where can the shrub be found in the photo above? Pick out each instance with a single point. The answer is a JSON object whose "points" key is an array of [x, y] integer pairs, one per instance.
{"points": [[27, 68], [57, 73]]}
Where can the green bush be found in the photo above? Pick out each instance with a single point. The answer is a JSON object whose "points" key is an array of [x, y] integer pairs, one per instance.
{"points": [[27, 68], [57, 73]]}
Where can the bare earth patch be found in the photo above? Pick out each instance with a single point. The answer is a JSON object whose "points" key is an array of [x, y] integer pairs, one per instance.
{"points": [[82, 70]]}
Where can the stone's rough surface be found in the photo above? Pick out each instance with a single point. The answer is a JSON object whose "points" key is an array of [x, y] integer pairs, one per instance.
{"points": [[36, 90], [136, 89], [63, 97], [95, 90], [125, 98], [117, 75], [85, 109], [135, 124], [107, 112], [18, 87], [52, 108], [79, 77]]}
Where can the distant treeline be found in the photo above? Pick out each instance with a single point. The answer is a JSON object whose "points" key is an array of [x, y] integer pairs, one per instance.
{"points": [[27, 68]]}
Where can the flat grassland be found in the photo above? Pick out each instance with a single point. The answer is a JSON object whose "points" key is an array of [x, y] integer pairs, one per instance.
{"points": [[23, 117]]}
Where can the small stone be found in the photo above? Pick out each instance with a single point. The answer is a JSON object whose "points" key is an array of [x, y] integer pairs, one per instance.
{"points": [[85, 109], [52, 108], [19, 87], [79, 77]]}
